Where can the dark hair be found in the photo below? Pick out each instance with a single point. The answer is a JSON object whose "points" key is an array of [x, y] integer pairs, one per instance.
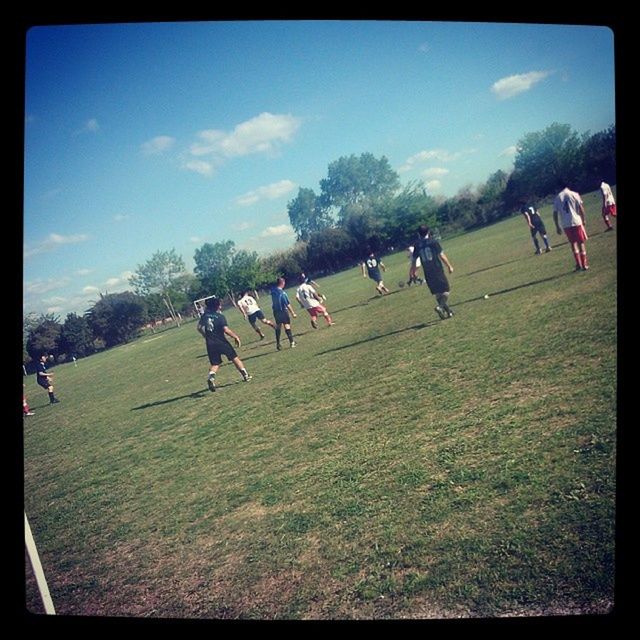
{"points": [[280, 281], [423, 230], [213, 304]]}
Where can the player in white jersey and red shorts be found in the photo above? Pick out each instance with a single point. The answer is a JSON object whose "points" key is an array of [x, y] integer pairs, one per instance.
{"points": [[310, 300], [568, 212]]}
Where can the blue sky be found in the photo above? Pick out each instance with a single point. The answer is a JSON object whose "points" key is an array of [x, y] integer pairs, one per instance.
{"points": [[147, 137]]}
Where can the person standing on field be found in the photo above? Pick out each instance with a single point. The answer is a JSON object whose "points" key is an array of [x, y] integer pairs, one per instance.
{"points": [[214, 329], [432, 256], [281, 310], [536, 226], [608, 205], [252, 312], [568, 212]]}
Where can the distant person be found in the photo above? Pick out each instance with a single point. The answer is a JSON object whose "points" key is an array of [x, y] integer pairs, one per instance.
{"points": [[252, 312], [45, 379], [568, 213], [536, 226], [415, 279], [213, 327], [608, 205], [310, 300], [433, 258], [281, 310], [371, 268]]}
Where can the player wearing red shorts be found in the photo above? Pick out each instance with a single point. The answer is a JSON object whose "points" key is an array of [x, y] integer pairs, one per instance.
{"points": [[608, 205], [568, 211], [310, 300]]}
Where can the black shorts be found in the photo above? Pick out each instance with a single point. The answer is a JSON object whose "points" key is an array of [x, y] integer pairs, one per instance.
{"points": [[437, 283], [45, 383], [375, 275], [254, 317], [215, 351], [538, 228], [281, 317]]}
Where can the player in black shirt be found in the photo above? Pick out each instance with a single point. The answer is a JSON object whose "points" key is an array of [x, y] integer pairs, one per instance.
{"points": [[433, 258], [44, 378], [213, 327], [536, 225]]}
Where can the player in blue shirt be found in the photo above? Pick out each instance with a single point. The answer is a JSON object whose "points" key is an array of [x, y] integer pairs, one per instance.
{"points": [[44, 378], [281, 310], [214, 329]]}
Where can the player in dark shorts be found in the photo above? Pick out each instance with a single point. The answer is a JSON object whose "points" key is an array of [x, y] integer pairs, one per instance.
{"points": [[281, 309], [433, 258], [536, 226], [371, 268], [213, 327], [43, 378]]}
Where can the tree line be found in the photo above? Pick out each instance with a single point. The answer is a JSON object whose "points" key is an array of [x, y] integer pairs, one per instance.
{"points": [[359, 205]]}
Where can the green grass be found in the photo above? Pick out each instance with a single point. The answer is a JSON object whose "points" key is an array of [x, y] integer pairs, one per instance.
{"points": [[391, 466]]}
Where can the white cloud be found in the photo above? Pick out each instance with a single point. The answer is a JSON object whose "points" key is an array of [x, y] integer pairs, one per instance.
{"points": [[262, 134], [90, 126], [268, 192], [439, 155], [434, 171], [157, 145], [53, 241], [90, 290], [509, 151], [119, 281], [242, 226], [513, 85], [83, 272], [38, 287], [199, 166], [433, 185], [278, 230]]}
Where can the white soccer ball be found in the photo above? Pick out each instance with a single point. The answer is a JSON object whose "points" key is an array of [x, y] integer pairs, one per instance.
{"points": [[486, 296]]}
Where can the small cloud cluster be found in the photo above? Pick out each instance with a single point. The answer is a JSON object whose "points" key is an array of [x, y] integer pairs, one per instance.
{"points": [[53, 241], [267, 192], [439, 155], [278, 230], [157, 145], [516, 84]]}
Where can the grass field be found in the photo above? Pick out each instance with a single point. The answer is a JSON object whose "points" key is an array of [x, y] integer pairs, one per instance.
{"points": [[392, 466]]}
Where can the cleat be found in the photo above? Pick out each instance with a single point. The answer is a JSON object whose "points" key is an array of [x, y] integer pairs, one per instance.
{"points": [[537, 252], [441, 312], [247, 378], [279, 347], [547, 250], [211, 384], [293, 344]]}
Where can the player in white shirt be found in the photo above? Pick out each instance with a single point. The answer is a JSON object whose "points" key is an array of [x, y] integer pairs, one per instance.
{"points": [[251, 311], [568, 212], [310, 300], [608, 204]]}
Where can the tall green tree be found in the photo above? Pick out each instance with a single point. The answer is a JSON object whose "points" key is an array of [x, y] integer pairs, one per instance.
{"points": [[76, 337], [355, 179], [44, 337], [306, 214], [117, 317], [213, 267], [157, 275], [244, 272]]}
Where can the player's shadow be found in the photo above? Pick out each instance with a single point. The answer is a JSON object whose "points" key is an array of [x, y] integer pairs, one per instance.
{"points": [[516, 288], [195, 396], [415, 327]]}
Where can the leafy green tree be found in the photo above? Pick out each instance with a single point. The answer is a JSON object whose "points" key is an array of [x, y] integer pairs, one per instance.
{"points": [[405, 212], [598, 159], [76, 336], [158, 275], [491, 203], [307, 215], [354, 179], [244, 271], [213, 267], [289, 263], [117, 317], [44, 337], [330, 250]]}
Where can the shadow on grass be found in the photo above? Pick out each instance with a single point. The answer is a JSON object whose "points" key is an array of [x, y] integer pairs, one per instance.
{"points": [[415, 327], [195, 396]]}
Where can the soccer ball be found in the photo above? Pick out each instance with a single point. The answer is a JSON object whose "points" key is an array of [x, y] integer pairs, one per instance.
{"points": [[401, 283]]}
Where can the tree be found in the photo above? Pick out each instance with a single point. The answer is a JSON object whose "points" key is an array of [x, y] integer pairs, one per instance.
{"points": [[307, 215], [76, 336], [244, 272], [44, 337], [546, 162], [599, 159], [329, 250], [117, 318], [158, 275], [213, 267], [491, 204], [354, 179]]}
